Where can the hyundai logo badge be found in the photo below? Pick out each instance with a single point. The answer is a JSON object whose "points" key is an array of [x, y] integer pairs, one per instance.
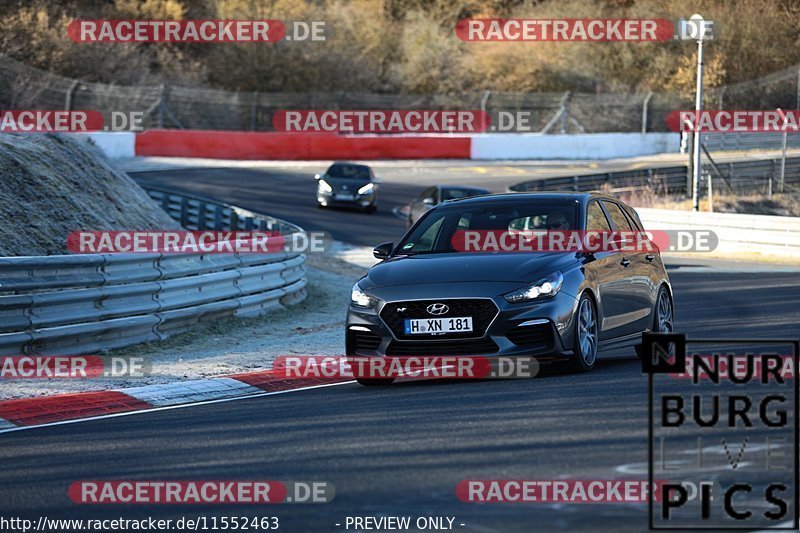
{"points": [[437, 309]]}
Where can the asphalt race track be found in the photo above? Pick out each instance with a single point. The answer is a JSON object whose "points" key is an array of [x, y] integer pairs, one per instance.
{"points": [[399, 450]]}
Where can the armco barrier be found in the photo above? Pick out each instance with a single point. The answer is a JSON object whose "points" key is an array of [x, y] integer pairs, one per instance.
{"points": [[668, 179], [749, 176], [86, 303], [715, 142]]}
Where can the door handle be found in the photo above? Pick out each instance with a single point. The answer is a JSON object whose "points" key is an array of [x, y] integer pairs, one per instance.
{"points": [[650, 257], [625, 262]]}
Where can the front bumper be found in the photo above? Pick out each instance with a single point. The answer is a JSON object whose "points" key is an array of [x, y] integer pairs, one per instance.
{"points": [[329, 200], [543, 329]]}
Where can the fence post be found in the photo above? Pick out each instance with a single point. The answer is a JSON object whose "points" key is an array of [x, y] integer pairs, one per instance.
{"points": [[484, 100], [797, 102], [161, 104], [70, 95], [783, 162], [565, 111], [253, 111], [644, 111], [710, 193]]}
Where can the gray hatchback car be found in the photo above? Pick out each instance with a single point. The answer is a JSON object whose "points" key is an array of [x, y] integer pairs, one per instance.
{"points": [[429, 297]]}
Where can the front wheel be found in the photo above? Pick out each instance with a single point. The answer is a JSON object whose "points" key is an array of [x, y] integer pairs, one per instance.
{"points": [[585, 351], [375, 382]]}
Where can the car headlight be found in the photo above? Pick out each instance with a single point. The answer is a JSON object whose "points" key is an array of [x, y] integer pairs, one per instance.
{"points": [[324, 187], [544, 288], [361, 299], [367, 189]]}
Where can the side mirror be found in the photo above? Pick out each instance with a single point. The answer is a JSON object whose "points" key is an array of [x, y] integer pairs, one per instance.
{"points": [[317, 177], [376, 180], [428, 201], [382, 251]]}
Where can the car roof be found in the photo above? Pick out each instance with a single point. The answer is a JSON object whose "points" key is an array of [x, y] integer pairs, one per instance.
{"points": [[348, 164], [463, 187], [581, 197]]}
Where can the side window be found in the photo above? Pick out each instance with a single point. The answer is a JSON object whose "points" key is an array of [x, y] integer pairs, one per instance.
{"points": [[427, 240], [620, 220], [595, 218]]}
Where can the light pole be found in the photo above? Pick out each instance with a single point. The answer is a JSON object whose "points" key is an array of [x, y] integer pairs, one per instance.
{"points": [[700, 29]]}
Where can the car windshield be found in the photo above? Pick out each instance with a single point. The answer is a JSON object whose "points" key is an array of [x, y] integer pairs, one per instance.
{"points": [[435, 232], [348, 172], [451, 193]]}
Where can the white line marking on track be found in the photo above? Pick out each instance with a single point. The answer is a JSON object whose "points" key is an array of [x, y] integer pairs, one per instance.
{"points": [[169, 407]]}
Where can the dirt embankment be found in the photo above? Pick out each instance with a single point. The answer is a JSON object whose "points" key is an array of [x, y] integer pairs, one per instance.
{"points": [[51, 185]]}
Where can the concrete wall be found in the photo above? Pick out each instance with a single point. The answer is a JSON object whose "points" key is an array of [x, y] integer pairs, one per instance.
{"points": [[311, 146], [578, 146], [745, 235]]}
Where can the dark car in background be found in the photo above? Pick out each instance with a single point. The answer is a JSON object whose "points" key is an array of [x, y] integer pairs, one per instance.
{"points": [[560, 307], [433, 196], [348, 185]]}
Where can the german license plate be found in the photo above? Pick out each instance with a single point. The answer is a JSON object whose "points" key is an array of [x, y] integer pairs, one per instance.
{"points": [[344, 197], [434, 326]]}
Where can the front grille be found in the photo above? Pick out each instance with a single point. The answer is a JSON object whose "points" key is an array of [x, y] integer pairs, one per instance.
{"points": [[362, 341], [482, 311], [423, 348], [539, 335]]}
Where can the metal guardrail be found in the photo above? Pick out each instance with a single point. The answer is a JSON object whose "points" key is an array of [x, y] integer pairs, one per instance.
{"points": [[86, 303], [752, 176], [669, 179], [748, 141]]}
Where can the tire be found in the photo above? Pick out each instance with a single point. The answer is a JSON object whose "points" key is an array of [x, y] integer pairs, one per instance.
{"points": [[664, 312], [375, 382], [372, 208], [586, 336], [320, 206]]}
